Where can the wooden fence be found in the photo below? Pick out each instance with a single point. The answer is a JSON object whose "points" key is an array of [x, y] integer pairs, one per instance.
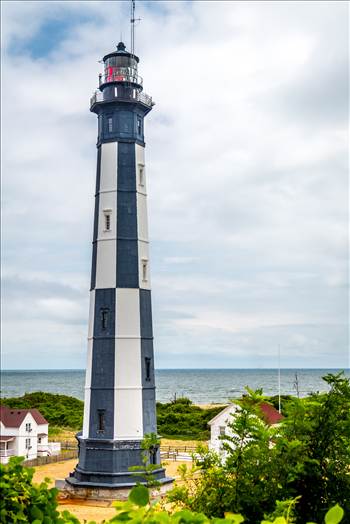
{"points": [[40, 461], [175, 453]]}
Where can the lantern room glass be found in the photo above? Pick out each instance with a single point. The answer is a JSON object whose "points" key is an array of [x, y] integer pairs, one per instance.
{"points": [[121, 69]]}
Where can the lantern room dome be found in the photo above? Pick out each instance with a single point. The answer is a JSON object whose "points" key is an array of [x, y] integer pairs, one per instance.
{"points": [[121, 52]]}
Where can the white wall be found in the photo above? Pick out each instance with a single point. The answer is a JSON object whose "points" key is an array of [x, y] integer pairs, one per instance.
{"points": [[221, 420], [23, 434]]}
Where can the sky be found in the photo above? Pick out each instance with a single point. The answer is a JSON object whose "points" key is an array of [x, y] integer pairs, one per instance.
{"points": [[247, 166]]}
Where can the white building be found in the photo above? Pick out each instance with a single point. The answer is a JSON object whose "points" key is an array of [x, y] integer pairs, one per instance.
{"points": [[219, 425], [24, 433]]}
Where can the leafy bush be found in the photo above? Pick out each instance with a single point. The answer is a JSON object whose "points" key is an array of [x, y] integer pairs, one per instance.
{"points": [[306, 456], [21, 501], [180, 419], [59, 410]]}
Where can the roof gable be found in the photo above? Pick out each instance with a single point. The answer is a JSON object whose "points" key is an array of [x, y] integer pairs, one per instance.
{"points": [[227, 410], [13, 418]]}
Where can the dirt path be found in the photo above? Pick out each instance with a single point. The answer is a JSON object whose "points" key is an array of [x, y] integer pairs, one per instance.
{"points": [[89, 510]]}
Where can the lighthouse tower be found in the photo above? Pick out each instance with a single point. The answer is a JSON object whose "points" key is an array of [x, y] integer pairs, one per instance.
{"points": [[120, 390]]}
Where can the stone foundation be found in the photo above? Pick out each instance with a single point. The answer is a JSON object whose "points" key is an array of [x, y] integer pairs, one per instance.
{"points": [[99, 493]]}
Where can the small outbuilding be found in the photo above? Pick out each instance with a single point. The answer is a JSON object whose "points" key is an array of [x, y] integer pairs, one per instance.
{"points": [[219, 425]]}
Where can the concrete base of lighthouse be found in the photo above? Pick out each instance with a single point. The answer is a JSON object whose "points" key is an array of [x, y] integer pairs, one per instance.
{"points": [[106, 470], [105, 494]]}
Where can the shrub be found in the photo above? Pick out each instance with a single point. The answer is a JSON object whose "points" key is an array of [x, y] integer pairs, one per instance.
{"points": [[21, 501]]}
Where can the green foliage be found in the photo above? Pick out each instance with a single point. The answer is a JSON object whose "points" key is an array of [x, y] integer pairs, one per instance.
{"points": [[59, 410], [21, 501], [150, 445], [180, 419], [306, 458]]}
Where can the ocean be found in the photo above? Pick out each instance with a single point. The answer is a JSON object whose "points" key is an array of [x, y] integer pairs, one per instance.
{"points": [[202, 386]]}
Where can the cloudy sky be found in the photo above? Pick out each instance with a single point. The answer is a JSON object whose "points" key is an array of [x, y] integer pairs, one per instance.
{"points": [[247, 177]]}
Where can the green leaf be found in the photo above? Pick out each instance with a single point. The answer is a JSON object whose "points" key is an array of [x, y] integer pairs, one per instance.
{"points": [[36, 513], [236, 518], [334, 515], [139, 495]]}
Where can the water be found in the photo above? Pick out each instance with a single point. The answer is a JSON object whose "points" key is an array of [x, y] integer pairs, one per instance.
{"points": [[202, 386]]}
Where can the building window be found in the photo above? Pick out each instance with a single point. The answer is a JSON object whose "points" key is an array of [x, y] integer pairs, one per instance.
{"points": [[39, 440], [141, 175], [101, 420], [104, 317], [139, 126], [116, 91], [222, 430], [148, 368], [110, 124], [28, 446], [28, 427]]}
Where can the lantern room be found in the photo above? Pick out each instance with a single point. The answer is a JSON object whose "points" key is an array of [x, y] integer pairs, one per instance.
{"points": [[120, 66]]}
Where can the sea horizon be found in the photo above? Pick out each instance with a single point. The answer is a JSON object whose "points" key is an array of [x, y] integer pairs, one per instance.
{"points": [[200, 385], [187, 368]]}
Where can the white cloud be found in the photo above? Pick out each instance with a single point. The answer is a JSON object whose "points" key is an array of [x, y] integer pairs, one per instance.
{"points": [[247, 165]]}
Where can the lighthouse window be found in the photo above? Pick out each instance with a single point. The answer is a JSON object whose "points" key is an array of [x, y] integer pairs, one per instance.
{"points": [[107, 222], [141, 176], [148, 368], [139, 125], [104, 318], [144, 270], [110, 124], [101, 419]]}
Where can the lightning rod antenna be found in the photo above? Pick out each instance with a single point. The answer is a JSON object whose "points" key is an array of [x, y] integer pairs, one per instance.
{"points": [[132, 26]]}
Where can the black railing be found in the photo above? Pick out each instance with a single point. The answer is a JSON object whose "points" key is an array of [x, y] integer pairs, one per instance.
{"points": [[135, 95]]}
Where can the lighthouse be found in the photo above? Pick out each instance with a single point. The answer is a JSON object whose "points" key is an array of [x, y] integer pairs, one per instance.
{"points": [[120, 406]]}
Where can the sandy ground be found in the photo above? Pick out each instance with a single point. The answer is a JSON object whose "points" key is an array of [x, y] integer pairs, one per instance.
{"points": [[88, 510]]}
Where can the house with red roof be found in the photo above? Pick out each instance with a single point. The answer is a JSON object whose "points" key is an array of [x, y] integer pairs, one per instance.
{"points": [[23, 432], [219, 425]]}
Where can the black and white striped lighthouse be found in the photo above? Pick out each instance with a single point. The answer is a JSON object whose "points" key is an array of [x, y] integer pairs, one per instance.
{"points": [[120, 389]]}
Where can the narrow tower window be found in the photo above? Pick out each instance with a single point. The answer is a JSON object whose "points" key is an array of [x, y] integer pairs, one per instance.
{"points": [[144, 270], [139, 125], [148, 368], [110, 124], [107, 218], [153, 455], [141, 175], [101, 420], [104, 318]]}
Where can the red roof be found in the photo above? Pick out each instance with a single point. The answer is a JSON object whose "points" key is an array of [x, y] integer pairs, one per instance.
{"points": [[13, 418], [6, 438], [270, 413]]}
